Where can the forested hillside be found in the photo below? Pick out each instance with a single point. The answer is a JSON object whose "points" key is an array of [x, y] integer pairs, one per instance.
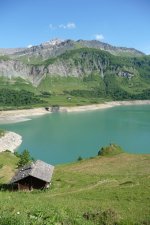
{"points": [[84, 75]]}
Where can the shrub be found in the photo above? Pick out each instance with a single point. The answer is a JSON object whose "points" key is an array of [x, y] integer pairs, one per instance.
{"points": [[112, 149], [8, 151], [79, 158], [2, 133], [1, 166]]}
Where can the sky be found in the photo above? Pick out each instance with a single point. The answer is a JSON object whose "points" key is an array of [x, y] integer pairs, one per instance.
{"points": [[118, 22]]}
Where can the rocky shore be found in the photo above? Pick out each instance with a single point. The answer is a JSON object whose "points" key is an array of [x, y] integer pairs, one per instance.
{"points": [[10, 141]]}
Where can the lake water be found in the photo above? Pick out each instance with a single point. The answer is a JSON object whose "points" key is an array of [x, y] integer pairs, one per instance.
{"points": [[63, 137]]}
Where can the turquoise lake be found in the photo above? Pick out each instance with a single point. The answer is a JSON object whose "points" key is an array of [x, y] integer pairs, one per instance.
{"points": [[63, 137]]}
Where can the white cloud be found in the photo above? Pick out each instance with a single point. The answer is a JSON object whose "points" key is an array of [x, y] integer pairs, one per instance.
{"points": [[69, 26], [99, 37], [52, 27], [62, 26], [29, 46]]}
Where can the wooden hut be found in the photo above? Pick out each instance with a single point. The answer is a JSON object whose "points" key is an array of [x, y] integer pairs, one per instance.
{"points": [[36, 175]]}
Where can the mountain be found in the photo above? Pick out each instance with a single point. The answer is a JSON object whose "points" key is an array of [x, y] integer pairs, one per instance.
{"points": [[86, 73], [57, 47], [76, 63], [10, 51]]}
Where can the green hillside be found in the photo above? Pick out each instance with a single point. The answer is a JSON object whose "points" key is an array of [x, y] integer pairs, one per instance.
{"points": [[122, 78], [112, 189], [100, 76]]}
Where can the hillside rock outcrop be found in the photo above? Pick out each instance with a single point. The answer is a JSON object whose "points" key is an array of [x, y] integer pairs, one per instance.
{"points": [[57, 47]]}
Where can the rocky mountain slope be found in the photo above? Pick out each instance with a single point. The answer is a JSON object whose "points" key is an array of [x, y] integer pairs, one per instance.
{"points": [[83, 73], [30, 64], [56, 47], [76, 63]]}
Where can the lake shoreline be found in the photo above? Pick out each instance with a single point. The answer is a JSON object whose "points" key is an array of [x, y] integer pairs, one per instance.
{"points": [[104, 105], [10, 141], [14, 116]]}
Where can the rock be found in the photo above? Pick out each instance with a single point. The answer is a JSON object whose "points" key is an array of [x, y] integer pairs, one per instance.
{"points": [[77, 65], [10, 141]]}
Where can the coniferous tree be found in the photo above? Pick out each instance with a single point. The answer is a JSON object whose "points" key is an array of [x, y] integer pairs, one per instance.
{"points": [[25, 158]]}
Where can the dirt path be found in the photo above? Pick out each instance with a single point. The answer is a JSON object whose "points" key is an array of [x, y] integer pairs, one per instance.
{"points": [[85, 188]]}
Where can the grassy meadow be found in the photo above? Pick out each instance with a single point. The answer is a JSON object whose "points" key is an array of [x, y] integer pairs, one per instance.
{"points": [[51, 91], [109, 189]]}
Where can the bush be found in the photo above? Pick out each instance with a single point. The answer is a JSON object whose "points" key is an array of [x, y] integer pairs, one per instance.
{"points": [[1, 166], [112, 149], [79, 158], [8, 151], [17, 154], [2, 133]]}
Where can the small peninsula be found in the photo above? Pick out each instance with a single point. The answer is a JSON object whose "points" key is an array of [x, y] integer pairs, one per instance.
{"points": [[10, 141]]}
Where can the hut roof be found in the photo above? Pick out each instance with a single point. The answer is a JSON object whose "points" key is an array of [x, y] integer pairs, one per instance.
{"points": [[37, 169]]}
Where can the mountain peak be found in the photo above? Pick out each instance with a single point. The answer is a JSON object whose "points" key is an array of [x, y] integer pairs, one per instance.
{"points": [[55, 47], [52, 42]]}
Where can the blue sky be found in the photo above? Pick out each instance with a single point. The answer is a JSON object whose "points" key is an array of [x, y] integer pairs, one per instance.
{"points": [[118, 22]]}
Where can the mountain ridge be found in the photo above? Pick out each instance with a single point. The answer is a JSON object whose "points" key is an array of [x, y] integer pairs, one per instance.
{"points": [[57, 47], [86, 74], [76, 63]]}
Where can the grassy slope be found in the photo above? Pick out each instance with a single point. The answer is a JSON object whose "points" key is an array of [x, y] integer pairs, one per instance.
{"points": [[119, 183], [16, 84], [7, 166], [86, 57], [58, 85]]}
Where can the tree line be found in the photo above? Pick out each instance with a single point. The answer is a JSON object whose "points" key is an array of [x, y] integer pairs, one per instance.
{"points": [[18, 98]]}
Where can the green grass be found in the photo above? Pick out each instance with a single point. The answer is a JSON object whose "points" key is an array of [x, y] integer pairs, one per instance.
{"points": [[62, 100], [110, 150], [113, 189], [30, 60], [88, 88], [4, 57], [2, 132], [16, 84], [133, 86], [60, 88], [8, 162], [57, 85]]}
